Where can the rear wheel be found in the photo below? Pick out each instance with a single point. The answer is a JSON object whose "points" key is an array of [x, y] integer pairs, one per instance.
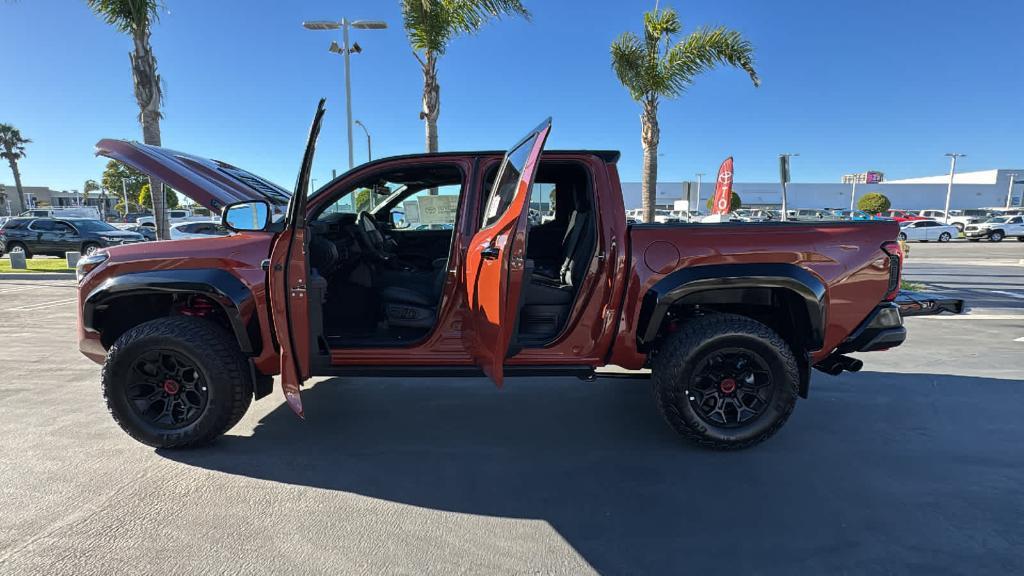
{"points": [[176, 382], [725, 381], [1020, 238], [18, 247], [996, 236], [945, 237]]}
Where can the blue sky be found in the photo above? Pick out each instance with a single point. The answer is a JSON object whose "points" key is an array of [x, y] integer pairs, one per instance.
{"points": [[873, 84]]}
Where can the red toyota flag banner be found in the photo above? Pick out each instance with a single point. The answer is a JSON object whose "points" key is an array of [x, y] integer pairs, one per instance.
{"points": [[723, 189]]}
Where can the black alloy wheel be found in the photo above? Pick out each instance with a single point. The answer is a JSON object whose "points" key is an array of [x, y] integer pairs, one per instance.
{"points": [[167, 389], [731, 387]]}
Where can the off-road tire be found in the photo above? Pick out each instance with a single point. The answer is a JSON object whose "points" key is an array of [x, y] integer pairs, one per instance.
{"points": [[212, 350], [681, 352], [24, 249]]}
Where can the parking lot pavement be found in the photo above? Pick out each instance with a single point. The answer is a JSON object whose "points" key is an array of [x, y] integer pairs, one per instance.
{"points": [[913, 465]]}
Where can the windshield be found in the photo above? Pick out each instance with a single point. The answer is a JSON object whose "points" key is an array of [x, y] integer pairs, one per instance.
{"points": [[92, 226]]}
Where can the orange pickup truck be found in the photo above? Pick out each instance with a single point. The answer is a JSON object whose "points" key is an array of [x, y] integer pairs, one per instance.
{"points": [[438, 264]]}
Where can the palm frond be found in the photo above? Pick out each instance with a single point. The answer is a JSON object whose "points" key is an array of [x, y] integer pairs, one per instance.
{"points": [[431, 24], [631, 64], [12, 143], [706, 49], [127, 15]]}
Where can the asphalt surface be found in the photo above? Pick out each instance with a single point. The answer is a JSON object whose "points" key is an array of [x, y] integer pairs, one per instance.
{"points": [[914, 465]]}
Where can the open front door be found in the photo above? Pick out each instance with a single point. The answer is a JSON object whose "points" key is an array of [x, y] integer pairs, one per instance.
{"points": [[495, 264], [288, 279]]}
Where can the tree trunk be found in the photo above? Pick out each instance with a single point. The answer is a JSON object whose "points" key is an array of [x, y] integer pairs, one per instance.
{"points": [[148, 96], [17, 184], [650, 135], [431, 100]]}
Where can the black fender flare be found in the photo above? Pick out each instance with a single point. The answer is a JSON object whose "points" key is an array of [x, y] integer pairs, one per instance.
{"points": [[220, 286], [691, 280]]}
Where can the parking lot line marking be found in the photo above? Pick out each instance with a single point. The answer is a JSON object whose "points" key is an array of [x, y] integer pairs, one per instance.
{"points": [[972, 317], [18, 289], [41, 305], [1021, 339], [1014, 294]]}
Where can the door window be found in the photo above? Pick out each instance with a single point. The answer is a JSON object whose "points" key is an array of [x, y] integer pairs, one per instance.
{"points": [[504, 189], [43, 226]]}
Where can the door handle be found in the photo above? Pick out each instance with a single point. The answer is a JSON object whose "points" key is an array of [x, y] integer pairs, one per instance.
{"points": [[490, 253]]}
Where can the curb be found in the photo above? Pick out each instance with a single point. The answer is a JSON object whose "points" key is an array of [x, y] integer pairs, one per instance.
{"points": [[38, 276]]}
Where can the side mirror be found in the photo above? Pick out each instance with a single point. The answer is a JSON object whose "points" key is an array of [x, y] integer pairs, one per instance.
{"points": [[246, 216]]}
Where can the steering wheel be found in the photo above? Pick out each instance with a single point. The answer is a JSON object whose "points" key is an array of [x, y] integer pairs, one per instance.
{"points": [[371, 236]]}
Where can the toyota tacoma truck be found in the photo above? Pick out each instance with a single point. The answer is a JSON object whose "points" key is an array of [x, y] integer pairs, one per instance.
{"points": [[429, 264]]}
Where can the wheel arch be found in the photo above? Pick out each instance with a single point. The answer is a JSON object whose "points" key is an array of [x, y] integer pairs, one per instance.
{"points": [[730, 285], [153, 294]]}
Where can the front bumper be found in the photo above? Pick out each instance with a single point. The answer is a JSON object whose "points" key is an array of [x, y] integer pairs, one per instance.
{"points": [[977, 233], [883, 329]]}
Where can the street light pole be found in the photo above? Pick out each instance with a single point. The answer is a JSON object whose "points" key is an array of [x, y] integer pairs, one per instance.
{"points": [[853, 192], [699, 176], [1009, 191], [949, 189], [784, 177], [369, 148], [345, 51]]}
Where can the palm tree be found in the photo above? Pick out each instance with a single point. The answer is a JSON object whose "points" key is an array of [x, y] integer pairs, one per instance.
{"points": [[652, 68], [12, 148], [135, 18], [430, 25]]}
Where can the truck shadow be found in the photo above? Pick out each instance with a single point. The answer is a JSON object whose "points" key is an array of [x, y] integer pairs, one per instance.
{"points": [[867, 474]]}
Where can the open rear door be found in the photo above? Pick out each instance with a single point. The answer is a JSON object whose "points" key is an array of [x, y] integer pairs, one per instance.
{"points": [[288, 279], [495, 263]]}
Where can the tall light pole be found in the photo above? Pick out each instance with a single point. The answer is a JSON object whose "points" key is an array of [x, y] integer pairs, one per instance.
{"points": [[1009, 190], [699, 176], [345, 50], [949, 189], [369, 148], [784, 177]]}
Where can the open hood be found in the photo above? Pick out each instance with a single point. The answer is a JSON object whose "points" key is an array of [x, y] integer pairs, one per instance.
{"points": [[211, 183]]}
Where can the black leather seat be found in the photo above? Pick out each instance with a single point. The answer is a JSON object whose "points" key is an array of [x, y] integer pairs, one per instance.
{"points": [[413, 302], [577, 245]]}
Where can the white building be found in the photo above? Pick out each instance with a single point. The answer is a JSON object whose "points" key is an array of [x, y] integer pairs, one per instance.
{"points": [[981, 189]]}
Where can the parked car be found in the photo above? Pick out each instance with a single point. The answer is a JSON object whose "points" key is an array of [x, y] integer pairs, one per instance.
{"points": [[147, 232], [958, 218], [175, 216], [995, 229], [902, 215], [54, 237], [133, 217], [729, 319], [927, 230], [814, 215], [185, 230], [90, 212], [856, 215]]}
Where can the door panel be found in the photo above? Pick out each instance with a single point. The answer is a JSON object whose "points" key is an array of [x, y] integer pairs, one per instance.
{"points": [[289, 279], [495, 261]]}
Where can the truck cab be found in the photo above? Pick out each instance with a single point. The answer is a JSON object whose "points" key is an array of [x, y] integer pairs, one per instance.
{"points": [[432, 264]]}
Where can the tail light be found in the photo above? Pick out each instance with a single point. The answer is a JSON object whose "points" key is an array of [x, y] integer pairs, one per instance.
{"points": [[895, 254]]}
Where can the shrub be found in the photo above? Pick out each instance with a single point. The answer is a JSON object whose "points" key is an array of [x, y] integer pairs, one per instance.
{"points": [[874, 203], [737, 202]]}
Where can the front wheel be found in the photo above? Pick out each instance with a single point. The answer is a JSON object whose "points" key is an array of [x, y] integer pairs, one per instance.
{"points": [[725, 381], [176, 382], [90, 249], [902, 236], [996, 236], [1020, 238], [945, 237]]}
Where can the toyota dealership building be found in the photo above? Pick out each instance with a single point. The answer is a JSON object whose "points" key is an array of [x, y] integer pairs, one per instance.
{"points": [[981, 189]]}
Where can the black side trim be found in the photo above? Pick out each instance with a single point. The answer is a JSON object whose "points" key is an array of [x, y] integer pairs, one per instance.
{"points": [[453, 371], [881, 330], [218, 285], [687, 281]]}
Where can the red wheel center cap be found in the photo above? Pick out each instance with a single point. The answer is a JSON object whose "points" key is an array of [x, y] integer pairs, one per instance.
{"points": [[171, 387], [728, 386]]}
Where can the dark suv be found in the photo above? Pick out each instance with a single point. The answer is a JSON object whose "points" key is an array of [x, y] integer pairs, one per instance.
{"points": [[53, 236]]}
